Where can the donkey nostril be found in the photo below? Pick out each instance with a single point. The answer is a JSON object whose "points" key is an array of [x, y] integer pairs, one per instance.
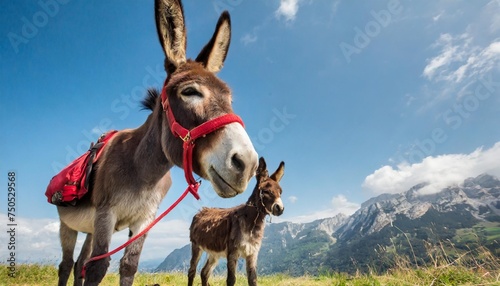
{"points": [[238, 163]]}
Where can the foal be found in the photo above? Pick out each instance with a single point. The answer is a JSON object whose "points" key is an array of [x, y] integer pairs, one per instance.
{"points": [[132, 176], [236, 231]]}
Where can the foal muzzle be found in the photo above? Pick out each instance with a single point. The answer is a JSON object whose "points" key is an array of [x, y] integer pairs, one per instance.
{"points": [[277, 208]]}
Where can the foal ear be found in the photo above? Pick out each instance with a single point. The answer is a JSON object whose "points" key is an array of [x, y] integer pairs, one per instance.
{"points": [[276, 176], [262, 169], [171, 29], [212, 56]]}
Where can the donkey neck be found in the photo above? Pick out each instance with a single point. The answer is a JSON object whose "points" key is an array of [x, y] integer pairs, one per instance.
{"points": [[149, 157]]}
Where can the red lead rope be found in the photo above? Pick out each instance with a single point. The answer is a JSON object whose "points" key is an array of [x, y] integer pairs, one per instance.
{"points": [[189, 137], [144, 231]]}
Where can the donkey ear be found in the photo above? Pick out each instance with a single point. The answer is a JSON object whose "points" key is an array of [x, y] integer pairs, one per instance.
{"points": [[212, 56], [278, 174], [171, 29], [262, 169]]}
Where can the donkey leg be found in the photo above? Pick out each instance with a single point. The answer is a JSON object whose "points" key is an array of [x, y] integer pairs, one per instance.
{"points": [[103, 230], [68, 240], [232, 260], [130, 259], [207, 269], [195, 257], [251, 262], [84, 255]]}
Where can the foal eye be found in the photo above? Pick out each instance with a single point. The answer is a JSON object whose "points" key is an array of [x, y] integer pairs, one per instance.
{"points": [[190, 91]]}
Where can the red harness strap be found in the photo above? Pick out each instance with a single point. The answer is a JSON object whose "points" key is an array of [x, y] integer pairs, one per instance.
{"points": [[188, 137]]}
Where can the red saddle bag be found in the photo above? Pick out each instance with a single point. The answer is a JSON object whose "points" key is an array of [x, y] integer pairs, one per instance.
{"points": [[72, 183]]}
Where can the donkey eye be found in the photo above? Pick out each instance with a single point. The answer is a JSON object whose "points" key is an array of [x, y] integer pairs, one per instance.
{"points": [[190, 91]]}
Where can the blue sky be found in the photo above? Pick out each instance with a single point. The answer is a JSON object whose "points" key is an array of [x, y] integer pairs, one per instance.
{"points": [[357, 97]]}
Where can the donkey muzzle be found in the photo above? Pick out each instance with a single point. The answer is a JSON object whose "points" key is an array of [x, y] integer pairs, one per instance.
{"points": [[277, 208]]}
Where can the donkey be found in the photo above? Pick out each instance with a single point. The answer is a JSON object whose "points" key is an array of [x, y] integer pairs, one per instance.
{"points": [[237, 231], [132, 176]]}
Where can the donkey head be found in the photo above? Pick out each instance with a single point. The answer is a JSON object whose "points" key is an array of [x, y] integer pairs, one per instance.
{"points": [[267, 193], [226, 157]]}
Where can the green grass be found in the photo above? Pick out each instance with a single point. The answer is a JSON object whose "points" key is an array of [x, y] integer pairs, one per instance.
{"points": [[437, 276], [476, 266], [492, 233]]}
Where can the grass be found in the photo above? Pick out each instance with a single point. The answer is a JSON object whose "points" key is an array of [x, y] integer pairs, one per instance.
{"points": [[437, 276], [476, 266], [493, 233], [490, 229]]}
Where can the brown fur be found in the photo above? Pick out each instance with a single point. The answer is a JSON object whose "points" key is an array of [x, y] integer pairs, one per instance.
{"points": [[132, 176], [236, 231]]}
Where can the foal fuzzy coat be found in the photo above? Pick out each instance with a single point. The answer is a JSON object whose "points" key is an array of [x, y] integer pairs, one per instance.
{"points": [[238, 231], [244, 223]]}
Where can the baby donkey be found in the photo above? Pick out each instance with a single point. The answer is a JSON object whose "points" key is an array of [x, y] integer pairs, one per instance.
{"points": [[236, 231]]}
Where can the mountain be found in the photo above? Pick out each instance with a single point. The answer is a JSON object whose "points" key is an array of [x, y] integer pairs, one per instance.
{"points": [[280, 239], [412, 222], [479, 196], [177, 260], [408, 224]]}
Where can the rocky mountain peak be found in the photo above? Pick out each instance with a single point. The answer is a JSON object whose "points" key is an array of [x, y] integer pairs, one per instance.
{"points": [[304, 247], [379, 212], [483, 181], [330, 225]]}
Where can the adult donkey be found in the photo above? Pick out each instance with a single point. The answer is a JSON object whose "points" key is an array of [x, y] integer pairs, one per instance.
{"points": [[132, 175]]}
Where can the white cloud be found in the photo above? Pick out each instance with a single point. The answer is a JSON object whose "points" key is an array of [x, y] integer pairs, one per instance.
{"points": [[460, 58], [292, 199], [458, 64], [37, 240], [97, 131], [288, 9], [342, 205], [438, 172], [338, 204], [492, 10], [474, 52], [34, 239], [249, 38], [455, 52], [438, 16], [164, 238]]}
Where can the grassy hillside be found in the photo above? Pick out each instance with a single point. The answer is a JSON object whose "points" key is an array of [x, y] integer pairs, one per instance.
{"points": [[448, 275], [448, 265]]}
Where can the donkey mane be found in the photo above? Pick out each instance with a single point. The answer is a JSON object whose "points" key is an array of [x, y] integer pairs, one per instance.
{"points": [[149, 102]]}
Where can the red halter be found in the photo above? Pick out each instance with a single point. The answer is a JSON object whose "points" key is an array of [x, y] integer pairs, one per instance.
{"points": [[189, 137]]}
